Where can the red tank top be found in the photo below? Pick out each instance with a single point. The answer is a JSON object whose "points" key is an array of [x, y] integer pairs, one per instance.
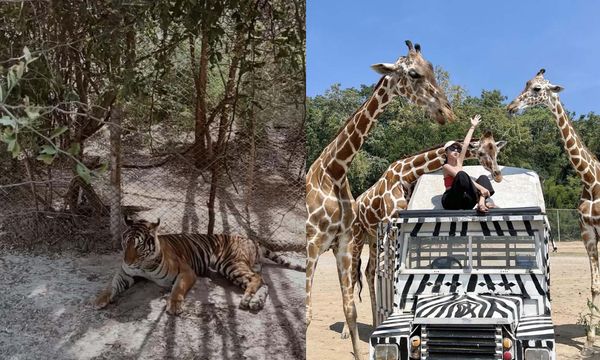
{"points": [[448, 179]]}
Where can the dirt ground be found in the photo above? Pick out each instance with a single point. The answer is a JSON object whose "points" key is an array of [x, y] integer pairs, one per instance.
{"points": [[46, 313], [570, 287]]}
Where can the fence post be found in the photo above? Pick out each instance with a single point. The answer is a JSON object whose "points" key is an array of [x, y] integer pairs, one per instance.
{"points": [[115, 175], [558, 224]]}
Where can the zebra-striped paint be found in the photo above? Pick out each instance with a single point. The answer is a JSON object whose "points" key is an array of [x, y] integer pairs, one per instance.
{"points": [[533, 331]]}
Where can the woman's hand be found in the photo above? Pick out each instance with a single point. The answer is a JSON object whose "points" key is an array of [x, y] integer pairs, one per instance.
{"points": [[485, 193], [475, 120]]}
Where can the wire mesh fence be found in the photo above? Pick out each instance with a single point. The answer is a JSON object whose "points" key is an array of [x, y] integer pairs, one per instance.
{"points": [[564, 224], [257, 188], [209, 135]]}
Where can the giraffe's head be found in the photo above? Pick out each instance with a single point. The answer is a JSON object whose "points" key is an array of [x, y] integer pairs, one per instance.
{"points": [[538, 91], [486, 151], [412, 76]]}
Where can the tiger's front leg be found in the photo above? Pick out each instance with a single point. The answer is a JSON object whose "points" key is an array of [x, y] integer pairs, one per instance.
{"points": [[183, 283], [120, 282], [255, 290]]}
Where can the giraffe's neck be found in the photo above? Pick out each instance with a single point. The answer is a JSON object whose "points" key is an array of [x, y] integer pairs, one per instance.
{"points": [[338, 155], [583, 161], [412, 168]]}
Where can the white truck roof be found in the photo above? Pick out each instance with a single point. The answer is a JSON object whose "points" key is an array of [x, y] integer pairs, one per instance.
{"points": [[518, 188]]}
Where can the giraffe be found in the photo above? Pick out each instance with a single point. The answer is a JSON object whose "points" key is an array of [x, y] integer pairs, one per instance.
{"points": [[392, 193], [539, 91], [329, 202]]}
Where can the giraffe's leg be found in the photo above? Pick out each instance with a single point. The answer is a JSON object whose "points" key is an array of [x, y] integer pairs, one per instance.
{"points": [[370, 272], [343, 258], [316, 245], [358, 238], [590, 240]]}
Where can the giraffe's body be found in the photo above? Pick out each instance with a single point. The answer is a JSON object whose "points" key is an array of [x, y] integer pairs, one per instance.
{"points": [[329, 202], [540, 91], [392, 191]]}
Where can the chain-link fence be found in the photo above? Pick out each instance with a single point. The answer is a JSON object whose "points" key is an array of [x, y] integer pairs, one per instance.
{"points": [[256, 189], [564, 224], [202, 130]]}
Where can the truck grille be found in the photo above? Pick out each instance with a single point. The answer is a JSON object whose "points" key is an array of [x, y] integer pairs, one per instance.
{"points": [[449, 342]]}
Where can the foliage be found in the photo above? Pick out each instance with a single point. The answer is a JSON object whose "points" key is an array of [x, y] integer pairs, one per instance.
{"points": [[533, 138], [140, 55]]}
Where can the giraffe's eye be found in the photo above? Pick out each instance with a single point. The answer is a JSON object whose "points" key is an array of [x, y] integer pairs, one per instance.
{"points": [[481, 154], [537, 89], [413, 74]]}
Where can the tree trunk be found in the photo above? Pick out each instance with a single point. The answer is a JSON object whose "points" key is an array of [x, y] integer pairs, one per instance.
{"points": [[202, 146], [115, 176], [224, 122]]}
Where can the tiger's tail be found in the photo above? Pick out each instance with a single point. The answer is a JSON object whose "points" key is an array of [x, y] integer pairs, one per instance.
{"points": [[282, 260]]}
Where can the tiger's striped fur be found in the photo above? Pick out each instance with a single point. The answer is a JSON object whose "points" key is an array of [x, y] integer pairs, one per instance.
{"points": [[175, 260]]}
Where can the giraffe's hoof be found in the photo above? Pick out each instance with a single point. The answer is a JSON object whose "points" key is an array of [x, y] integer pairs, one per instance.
{"points": [[345, 334]]}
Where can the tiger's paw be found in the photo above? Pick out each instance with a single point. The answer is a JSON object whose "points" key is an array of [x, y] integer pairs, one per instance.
{"points": [[102, 300], [174, 307], [245, 302], [257, 301]]}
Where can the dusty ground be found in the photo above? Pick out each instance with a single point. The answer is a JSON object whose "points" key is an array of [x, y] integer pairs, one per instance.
{"points": [[46, 313], [570, 288]]}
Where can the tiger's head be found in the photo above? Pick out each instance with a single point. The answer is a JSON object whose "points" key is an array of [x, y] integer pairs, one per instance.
{"points": [[139, 241]]}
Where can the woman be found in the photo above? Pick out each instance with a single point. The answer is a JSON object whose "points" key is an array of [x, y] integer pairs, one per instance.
{"points": [[462, 193]]}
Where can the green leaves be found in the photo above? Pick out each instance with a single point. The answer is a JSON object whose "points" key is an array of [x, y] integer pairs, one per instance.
{"points": [[84, 173], [13, 147], [74, 149], [8, 121], [58, 131]]}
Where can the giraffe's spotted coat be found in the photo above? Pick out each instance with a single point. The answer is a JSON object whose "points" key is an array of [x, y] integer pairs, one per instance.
{"points": [[329, 202]]}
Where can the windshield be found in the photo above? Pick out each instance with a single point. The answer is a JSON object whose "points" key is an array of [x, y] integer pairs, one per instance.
{"points": [[478, 252]]}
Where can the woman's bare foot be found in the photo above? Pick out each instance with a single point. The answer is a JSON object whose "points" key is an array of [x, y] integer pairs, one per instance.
{"points": [[481, 207]]}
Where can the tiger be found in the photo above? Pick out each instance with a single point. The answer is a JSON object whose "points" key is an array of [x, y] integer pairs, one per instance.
{"points": [[175, 260]]}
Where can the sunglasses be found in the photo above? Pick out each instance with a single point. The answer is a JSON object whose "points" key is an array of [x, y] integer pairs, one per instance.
{"points": [[454, 148]]}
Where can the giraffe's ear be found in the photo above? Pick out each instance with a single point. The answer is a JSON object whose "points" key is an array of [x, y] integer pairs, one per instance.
{"points": [[500, 144], [556, 88], [384, 68]]}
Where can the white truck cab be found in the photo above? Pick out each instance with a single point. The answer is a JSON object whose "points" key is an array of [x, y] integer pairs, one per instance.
{"points": [[452, 284]]}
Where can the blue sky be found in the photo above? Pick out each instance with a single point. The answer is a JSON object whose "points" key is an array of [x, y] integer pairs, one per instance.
{"points": [[482, 44]]}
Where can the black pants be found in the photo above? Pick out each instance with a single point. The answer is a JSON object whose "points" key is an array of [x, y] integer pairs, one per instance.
{"points": [[463, 195]]}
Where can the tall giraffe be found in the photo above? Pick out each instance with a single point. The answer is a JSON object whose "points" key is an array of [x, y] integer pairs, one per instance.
{"points": [[329, 202], [392, 192], [539, 91]]}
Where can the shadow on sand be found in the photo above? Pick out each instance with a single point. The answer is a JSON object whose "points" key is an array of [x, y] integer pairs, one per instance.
{"points": [[364, 330]]}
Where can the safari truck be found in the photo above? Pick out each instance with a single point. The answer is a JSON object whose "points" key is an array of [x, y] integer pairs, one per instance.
{"points": [[452, 284]]}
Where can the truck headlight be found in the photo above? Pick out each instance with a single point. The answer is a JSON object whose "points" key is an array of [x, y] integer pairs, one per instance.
{"points": [[386, 352], [537, 354]]}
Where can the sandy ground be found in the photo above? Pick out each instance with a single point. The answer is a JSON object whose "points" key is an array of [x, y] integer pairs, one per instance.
{"points": [[570, 287], [46, 313]]}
